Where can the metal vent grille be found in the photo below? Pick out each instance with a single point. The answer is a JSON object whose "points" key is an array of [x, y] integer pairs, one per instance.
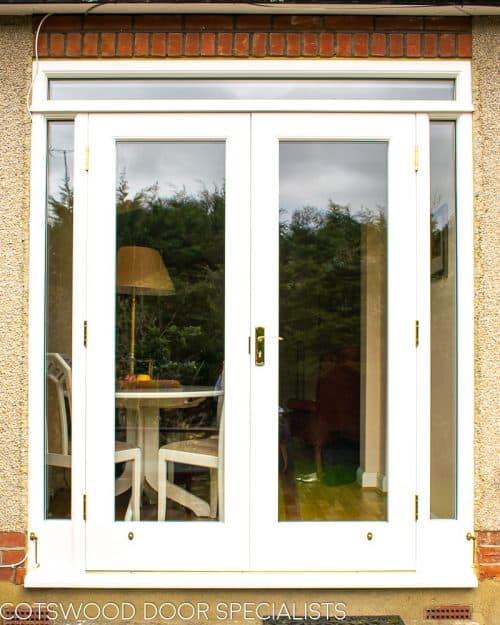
{"points": [[449, 612], [25, 615]]}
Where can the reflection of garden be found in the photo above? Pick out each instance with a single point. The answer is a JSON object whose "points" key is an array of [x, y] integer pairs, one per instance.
{"points": [[320, 289], [183, 335]]}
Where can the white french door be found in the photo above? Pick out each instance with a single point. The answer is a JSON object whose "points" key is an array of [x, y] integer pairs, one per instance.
{"points": [[171, 190], [333, 284], [317, 437]]}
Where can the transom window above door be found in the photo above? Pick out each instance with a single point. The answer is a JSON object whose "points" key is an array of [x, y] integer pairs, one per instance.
{"points": [[248, 89]]}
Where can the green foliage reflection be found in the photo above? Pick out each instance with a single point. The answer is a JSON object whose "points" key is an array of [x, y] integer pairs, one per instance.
{"points": [[183, 334]]}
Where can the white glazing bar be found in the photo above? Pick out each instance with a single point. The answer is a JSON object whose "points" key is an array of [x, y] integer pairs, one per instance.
{"points": [[51, 107]]}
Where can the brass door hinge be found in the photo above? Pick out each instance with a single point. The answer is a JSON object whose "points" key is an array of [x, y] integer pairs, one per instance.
{"points": [[416, 507], [87, 157], [415, 157], [417, 333], [84, 507], [85, 329]]}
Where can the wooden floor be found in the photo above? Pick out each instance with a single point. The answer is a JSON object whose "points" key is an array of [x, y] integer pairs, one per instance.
{"points": [[316, 501], [321, 501]]}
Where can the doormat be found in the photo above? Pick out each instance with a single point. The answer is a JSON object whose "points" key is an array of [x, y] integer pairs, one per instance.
{"points": [[348, 620]]}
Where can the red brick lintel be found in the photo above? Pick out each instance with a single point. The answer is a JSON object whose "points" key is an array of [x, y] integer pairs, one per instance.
{"points": [[288, 36]]}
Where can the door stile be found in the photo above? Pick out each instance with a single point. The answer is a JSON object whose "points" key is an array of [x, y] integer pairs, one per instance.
{"points": [[423, 352], [78, 450]]}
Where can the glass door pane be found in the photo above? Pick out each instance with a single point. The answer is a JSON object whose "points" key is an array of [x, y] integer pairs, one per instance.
{"points": [[169, 346], [167, 367], [333, 269], [443, 308], [58, 319], [333, 317]]}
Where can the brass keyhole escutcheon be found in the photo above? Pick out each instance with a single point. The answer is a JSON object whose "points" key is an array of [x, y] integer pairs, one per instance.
{"points": [[131, 535], [369, 536]]}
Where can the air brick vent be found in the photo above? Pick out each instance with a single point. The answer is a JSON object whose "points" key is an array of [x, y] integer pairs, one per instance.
{"points": [[29, 615], [448, 612]]}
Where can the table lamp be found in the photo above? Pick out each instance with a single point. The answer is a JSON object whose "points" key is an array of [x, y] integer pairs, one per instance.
{"points": [[140, 271]]}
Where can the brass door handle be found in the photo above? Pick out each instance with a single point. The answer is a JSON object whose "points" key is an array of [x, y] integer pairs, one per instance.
{"points": [[260, 345]]}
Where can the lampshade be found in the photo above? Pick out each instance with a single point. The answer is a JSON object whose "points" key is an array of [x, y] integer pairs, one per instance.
{"points": [[141, 269]]}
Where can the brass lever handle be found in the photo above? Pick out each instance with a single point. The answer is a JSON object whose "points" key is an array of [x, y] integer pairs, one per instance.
{"points": [[260, 345]]}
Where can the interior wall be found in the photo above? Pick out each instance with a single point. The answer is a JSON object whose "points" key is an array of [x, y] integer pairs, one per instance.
{"points": [[373, 355], [443, 424]]}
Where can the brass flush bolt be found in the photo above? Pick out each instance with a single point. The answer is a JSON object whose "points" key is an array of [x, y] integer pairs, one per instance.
{"points": [[472, 538], [34, 538]]}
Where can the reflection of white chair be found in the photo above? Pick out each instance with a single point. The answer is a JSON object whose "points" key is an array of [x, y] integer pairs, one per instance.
{"points": [[59, 372], [199, 452]]}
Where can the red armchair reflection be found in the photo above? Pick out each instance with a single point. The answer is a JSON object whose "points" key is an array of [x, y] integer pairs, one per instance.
{"points": [[336, 409]]}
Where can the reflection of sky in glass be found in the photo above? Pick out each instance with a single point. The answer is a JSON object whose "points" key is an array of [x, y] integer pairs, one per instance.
{"points": [[60, 153], [256, 89], [174, 166], [351, 174]]}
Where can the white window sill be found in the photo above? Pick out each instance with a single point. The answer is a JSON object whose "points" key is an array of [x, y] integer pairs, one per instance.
{"points": [[442, 578]]}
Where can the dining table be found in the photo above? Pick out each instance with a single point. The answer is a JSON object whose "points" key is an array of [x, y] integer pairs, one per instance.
{"points": [[142, 407]]}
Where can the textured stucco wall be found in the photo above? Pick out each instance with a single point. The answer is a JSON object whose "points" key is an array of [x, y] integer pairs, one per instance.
{"points": [[486, 80], [15, 72]]}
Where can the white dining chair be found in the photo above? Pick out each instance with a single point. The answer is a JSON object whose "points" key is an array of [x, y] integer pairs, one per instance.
{"points": [[59, 372], [199, 452]]}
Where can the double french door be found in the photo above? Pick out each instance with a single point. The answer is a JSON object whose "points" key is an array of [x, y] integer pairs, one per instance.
{"points": [[250, 304]]}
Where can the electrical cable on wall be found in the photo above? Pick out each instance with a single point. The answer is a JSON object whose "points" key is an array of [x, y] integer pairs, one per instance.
{"points": [[37, 35], [15, 564], [35, 71]]}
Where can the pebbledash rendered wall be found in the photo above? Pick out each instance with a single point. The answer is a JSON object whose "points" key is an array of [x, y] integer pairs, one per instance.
{"points": [[250, 36], [15, 76]]}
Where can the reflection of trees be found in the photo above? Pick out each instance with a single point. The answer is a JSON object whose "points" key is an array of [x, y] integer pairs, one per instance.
{"points": [[59, 259], [320, 284], [442, 222], [183, 334]]}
